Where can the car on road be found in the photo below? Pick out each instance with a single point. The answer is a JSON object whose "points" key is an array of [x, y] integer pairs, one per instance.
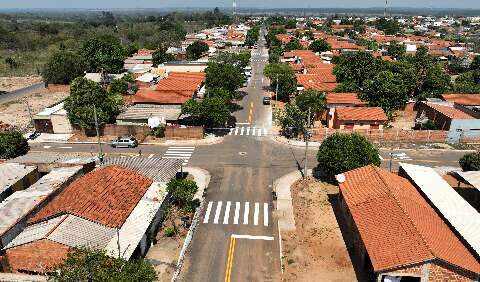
{"points": [[267, 100], [124, 142], [248, 73]]}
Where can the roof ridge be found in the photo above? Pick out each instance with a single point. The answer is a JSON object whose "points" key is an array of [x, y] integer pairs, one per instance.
{"points": [[403, 209]]}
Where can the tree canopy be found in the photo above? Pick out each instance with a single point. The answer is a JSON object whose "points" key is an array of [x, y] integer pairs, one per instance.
{"points": [[182, 191], [196, 50], [313, 100], [103, 53], [226, 76], [84, 94], [470, 162], [287, 82], [386, 90], [63, 67], [12, 144], [210, 112], [343, 152], [396, 50], [161, 56], [89, 265], [357, 67], [320, 46]]}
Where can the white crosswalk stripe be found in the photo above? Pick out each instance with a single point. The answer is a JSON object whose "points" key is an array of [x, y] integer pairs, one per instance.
{"points": [[217, 210], [248, 131], [183, 153]]}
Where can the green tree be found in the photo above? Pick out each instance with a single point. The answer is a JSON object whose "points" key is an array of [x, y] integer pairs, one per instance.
{"points": [[313, 100], [84, 94], [226, 76], [211, 112], [436, 82], [220, 93], [90, 265], [396, 50], [123, 85], [386, 90], [320, 46], [252, 36], [12, 144], [470, 162], [274, 55], [357, 67], [291, 23], [161, 56], [287, 82], [390, 27], [294, 44], [103, 53], [63, 67], [468, 82], [343, 152], [181, 191], [291, 118], [475, 65], [196, 50]]}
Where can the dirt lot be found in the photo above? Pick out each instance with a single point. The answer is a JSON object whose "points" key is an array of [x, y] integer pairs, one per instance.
{"points": [[316, 251], [8, 84], [16, 112], [405, 119]]}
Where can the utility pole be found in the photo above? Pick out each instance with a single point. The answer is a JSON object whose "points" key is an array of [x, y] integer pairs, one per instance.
{"points": [[276, 94], [100, 153], [307, 136]]}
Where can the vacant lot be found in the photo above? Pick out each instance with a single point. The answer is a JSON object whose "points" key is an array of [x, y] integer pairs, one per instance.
{"points": [[316, 251], [16, 112], [8, 84]]}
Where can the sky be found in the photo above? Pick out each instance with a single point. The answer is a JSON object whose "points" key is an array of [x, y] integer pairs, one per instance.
{"points": [[106, 4]]}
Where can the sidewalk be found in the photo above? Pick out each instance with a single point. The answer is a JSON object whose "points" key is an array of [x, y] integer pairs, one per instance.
{"points": [[296, 143]]}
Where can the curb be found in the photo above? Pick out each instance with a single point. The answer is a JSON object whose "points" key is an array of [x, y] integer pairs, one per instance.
{"points": [[284, 141], [197, 173], [202, 142]]}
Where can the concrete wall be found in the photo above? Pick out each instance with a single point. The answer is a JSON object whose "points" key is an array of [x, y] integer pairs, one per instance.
{"points": [[172, 132], [61, 124]]}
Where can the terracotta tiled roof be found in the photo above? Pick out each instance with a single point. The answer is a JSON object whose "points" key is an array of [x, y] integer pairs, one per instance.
{"points": [[161, 97], [463, 99], [360, 113], [143, 52], [284, 38], [397, 225], [39, 256], [106, 196], [449, 111], [326, 77], [338, 45], [344, 98]]}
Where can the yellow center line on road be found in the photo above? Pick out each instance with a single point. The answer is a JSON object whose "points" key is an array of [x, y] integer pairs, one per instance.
{"points": [[231, 252]]}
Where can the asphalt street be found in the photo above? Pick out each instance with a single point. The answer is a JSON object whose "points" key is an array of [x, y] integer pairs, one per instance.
{"points": [[237, 237], [20, 93]]}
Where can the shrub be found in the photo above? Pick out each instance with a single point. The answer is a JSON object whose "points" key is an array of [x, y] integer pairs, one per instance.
{"points": [[470, 162], [169, 231], [63, 67], [181, 192], [343, 152], [12, 144], [159, 131]]}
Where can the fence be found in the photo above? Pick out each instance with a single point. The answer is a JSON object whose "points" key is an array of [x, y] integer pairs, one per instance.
{"points": [[53, 88], [140, 132], [387, 135], [173, 132]]}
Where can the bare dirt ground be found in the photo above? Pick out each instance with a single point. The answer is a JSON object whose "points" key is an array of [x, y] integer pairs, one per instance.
{"points": [[164, 254], [8, 84], [405, 119], [16, 112], [316, 251]]}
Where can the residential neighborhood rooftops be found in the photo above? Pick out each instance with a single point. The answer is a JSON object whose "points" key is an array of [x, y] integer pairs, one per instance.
{"points": [[360, 113], [397, 225], [458, 212], [97, 198], [11, 173], [326, 77], [463, 99], [142, 112]]}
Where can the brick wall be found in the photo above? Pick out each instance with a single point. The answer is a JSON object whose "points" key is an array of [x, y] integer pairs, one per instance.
{"points": [[53, 88], [172, 132], [398, 135], [140, 132], [440, 271]]}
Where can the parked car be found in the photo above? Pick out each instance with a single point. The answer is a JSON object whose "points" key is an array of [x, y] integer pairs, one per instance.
{"points": [[267, 100], [125, 142], [248, 73]]}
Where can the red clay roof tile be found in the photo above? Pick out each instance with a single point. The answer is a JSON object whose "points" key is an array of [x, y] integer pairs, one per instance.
{"points": [[360, 113]]}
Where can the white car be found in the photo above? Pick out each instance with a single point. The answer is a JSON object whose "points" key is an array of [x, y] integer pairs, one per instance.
{"points": [[248, 73]]}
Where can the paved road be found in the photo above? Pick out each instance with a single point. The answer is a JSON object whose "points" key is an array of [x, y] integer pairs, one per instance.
{"points": [[20, 93]]}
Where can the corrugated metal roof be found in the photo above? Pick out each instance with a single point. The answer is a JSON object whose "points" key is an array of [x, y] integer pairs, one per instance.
{"points": [[157, 169], [69, 230], [75, 231], [169, 112], [11, 173], [472, 177], [35, 232], [458, 212], [48, 158], [132, 231], [20, 203]]}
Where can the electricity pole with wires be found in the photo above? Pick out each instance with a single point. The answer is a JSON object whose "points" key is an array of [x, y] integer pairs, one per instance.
{"points": [[307, 137]]}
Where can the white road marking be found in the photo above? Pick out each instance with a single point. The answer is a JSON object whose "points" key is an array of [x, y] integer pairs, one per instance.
{"points": [[248, 130], [217, 212], [207, 213], [259, 133], [178, 154], [227, 213], [47, 147], [251, 237], [237, 213], [150, 156], [241, 131], [231, 131], [381, 158], [236, 131], [65, 147], [264, 131], [255, 214], [265, 214], [243, 123], [245, 213], [175, 157]]}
